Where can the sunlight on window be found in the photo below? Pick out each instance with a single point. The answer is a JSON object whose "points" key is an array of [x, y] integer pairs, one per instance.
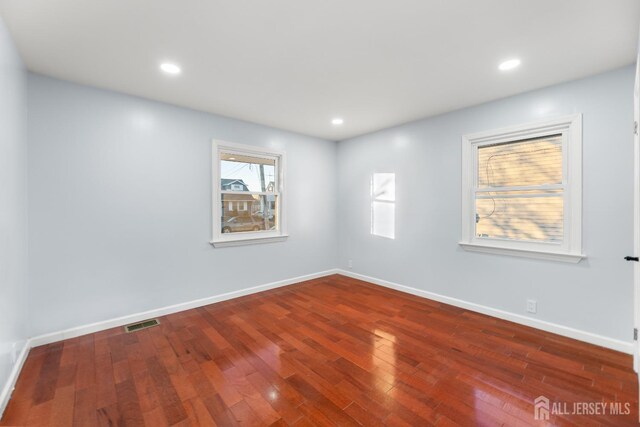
{"points": [[520, 190], [383, 205]]}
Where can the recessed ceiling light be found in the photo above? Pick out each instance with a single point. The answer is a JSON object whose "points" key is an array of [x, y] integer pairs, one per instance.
{"points": [[509, 65], [337, 121], [170, 68]]}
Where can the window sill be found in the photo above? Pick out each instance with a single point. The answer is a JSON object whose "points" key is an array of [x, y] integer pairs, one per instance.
{"points": [[248, 240], [526, 253]]}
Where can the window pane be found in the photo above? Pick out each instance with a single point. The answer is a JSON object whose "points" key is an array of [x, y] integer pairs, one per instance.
{"points": [[246, 173], [383, 219], [537, 218], [384, 186], [531, 162], [383, 210], [261, 213]]}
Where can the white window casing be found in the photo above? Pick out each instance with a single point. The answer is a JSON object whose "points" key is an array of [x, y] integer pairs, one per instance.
{"points": [[568, 248], [278, 234]]}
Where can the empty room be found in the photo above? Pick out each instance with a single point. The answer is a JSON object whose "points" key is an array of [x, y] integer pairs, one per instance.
{"points": [[319, 213]]}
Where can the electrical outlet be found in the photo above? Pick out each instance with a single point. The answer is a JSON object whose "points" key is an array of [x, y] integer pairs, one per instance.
{"points": [[532, 306], [350, 263]]}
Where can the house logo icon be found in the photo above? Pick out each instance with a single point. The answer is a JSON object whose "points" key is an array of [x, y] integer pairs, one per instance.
{"points": [[541, 408]]}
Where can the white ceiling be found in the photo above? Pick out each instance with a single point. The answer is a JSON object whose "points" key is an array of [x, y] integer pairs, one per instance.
{"points": [[296, 64]]}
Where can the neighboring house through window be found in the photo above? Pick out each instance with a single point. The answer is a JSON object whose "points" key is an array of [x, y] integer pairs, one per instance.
{"points": [[248, 195], [522, 190]]}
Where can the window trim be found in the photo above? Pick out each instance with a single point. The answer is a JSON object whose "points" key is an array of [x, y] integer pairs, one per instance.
{"points": [[570, 127], [220, 239]]}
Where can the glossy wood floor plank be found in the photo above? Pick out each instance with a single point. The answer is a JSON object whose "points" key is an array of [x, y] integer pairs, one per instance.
{"points": [[331, 351]]}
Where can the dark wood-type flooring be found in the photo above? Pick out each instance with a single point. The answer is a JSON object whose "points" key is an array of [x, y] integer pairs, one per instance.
{"points": [[331, 351]]}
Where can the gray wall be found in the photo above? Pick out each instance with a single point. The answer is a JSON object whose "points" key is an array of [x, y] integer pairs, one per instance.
{"points": [[120, 206], [120, 196], [595, 295], [13, 204]]}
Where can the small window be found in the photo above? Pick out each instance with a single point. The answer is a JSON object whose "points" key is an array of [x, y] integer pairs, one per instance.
{"points": [[248, 188], [522, 190], [383, 205]]}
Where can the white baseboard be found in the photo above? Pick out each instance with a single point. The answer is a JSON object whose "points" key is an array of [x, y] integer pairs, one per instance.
{"points": [[125, 320], [9, 386], [132, 318], [614, 344]]}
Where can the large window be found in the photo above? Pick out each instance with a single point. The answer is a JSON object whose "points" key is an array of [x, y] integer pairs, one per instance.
{"points": [[247, 195], [522, 190]]}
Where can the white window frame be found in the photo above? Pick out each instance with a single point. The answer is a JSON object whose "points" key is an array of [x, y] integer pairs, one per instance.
{"points": [[220, 239], [570, 250]]}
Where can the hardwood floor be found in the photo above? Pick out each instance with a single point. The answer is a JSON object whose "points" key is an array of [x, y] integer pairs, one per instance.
{"points": [[332, 351]]}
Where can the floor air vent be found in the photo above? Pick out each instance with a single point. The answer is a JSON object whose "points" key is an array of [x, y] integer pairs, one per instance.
{"points": [[141, 325]]}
